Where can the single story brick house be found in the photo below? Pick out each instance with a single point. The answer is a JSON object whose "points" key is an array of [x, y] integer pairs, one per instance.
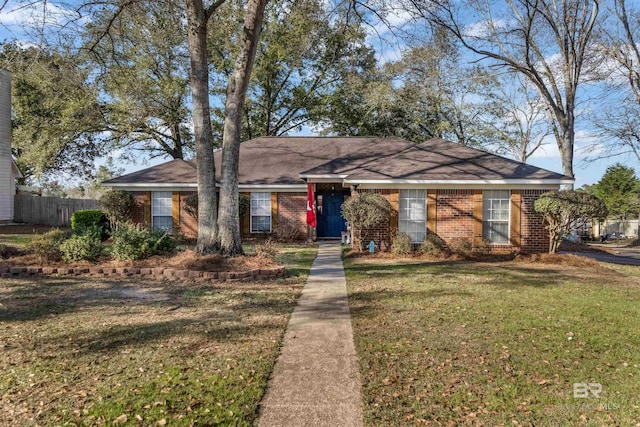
{"points": [[436, 186]]}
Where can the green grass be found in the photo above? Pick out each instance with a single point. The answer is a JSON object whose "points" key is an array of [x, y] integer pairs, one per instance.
{"points": [[17, 240], [20, 235], [78, 351], [495, 343]]}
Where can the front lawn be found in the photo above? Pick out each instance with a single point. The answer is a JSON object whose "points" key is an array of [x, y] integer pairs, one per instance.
{"points": [[80, 351], [20, 235], [453, 343]]}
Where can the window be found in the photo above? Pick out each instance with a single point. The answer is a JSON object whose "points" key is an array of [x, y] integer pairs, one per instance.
{"points": [[495, 215], [261, 212], [162, 210], [412, 214]]}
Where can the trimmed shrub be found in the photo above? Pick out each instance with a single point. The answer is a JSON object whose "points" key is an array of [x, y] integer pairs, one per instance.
{"points": [[461, 246], [432, 245], [161, 242], [484, 248], [47, 246], [118, 206], [89, 221], [80, 248], [364, 211], [93, 231], [132, 242], [565, 211], [129, 242], [401, 244]]}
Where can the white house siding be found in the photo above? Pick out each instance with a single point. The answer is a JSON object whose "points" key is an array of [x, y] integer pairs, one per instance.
{"points": [[7, 182]]}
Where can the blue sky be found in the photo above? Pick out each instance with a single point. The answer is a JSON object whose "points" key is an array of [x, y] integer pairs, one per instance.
{"points": [[13, 20]]}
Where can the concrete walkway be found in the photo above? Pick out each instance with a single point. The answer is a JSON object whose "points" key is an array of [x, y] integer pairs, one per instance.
{"points": [[316, 381]]}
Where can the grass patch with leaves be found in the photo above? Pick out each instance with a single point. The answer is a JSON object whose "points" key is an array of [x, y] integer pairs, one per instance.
{"points": [[502, 343], [78, 351]]}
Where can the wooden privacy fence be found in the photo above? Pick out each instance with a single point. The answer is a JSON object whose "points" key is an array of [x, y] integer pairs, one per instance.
{"points": [[54, 211]]}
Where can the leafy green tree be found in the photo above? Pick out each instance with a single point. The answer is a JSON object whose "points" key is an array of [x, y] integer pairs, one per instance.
{"points": [[566, 211], [57, 118], [303, 56], [426, 94], [144, 77], [619, 189]]}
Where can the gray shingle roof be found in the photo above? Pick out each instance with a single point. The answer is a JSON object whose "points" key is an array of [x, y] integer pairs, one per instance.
{"points": [[281, 160], [173, 172]]}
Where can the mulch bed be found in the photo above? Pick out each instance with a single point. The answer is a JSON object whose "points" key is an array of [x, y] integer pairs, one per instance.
{"points": [[184, 264]]}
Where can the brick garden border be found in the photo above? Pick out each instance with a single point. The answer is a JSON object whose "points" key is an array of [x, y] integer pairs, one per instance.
{"points": [[150, 273]]}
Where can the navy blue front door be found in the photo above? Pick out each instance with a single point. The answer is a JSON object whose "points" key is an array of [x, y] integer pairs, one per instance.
{"points": [[330, 222]]}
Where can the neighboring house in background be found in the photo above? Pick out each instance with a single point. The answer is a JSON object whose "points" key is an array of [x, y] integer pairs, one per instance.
{"points": [[436, 186], [8, 169]]}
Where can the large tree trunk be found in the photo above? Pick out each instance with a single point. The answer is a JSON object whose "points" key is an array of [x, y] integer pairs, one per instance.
{"points": [[229, 221], [203, 136]]}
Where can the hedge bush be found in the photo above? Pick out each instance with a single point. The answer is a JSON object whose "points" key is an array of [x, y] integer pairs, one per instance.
{"points": [[47, 246], [89, 222], [80, 248], [461, 246], [433, 245], [401, 244], [131, 242]]}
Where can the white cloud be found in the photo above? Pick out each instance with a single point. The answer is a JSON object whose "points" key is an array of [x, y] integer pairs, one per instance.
{"points": [[484, 28], [586, 142], [548, 150], [388, 54], [38, 13]]}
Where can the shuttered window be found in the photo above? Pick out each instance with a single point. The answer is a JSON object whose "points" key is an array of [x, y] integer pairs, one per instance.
{"points": [[161, 210], [412, 214], [261, 212], [495, 215]]}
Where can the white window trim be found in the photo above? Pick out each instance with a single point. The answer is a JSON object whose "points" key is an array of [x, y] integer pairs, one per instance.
{"points": [[251, 215], [508, 221], [425, 214], [163, 216]]}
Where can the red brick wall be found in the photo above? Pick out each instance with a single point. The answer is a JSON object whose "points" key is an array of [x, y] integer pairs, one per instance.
{"points": [[138, 210], [292, 215], [534, 237], [454, 214], [188, 224], [455, 220]]}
